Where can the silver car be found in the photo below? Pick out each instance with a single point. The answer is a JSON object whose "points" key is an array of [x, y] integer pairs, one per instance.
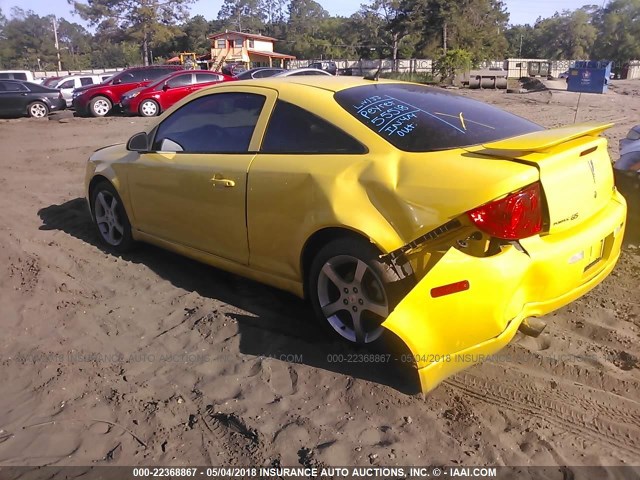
{"points": [[302, 71], [629, 151]]}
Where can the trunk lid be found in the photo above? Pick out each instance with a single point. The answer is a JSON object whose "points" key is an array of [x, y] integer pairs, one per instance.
{"points": [[575, 169]]}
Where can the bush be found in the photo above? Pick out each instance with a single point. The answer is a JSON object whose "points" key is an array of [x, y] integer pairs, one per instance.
{"points": [[409, 77], [447, 65]]}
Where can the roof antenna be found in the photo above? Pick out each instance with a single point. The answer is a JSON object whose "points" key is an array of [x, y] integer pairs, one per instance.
{"points": [[376, 75]]}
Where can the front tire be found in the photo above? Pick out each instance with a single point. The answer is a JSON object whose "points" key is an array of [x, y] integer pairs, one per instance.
{"points": [[99, 106], [149, 108], [352, 292], [38, 110], [110, 218]]}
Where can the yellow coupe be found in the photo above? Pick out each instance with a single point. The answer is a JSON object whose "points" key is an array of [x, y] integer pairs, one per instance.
{"points": [[388, 205]]}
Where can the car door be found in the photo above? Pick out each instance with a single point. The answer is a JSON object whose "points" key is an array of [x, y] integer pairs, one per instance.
{"points": [[126, 82], [67, 88], [175, 89], [191, 188], [14, 97], [285, 194]]}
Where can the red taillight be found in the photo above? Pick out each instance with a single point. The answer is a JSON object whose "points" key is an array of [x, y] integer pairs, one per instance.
{"points": [[518, 215]]}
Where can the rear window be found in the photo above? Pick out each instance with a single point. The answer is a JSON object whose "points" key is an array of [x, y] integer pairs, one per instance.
{"points": [[415, 118]]}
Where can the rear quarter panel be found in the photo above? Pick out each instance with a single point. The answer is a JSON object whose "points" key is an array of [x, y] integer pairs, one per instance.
{"points": [[389, 196]]}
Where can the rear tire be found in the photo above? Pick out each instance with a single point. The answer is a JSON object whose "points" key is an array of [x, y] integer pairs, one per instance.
{"points": [[110, 218], [38, 110], [351, 291], [149, 108], [100, 106]]}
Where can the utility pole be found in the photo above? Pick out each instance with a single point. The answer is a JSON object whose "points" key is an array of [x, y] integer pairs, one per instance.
{"points": [[520, 54], [55, 35]]}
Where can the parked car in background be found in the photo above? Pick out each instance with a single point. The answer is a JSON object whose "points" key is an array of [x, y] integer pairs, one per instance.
{"points": [[155, 98], [233, 68], [49, 81], [389, 205], [258, 72], [629, 148], [326, 65], [301, 71], [98, 100], [69, 83], [25, 75], [19, 98]]}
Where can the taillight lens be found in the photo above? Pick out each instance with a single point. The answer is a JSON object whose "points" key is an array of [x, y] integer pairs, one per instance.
{"points": [[518, 215]]}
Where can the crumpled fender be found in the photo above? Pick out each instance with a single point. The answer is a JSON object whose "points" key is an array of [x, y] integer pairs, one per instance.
{"points": [[436, 329]]}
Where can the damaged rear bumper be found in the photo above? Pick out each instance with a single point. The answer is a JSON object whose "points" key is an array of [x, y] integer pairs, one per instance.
{"points": [[449, 333]]}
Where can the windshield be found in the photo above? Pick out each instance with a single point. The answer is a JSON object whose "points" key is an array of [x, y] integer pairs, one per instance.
{"points": [[416, 118]]}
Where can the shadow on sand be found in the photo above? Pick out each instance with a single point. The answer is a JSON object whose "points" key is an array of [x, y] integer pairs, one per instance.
{"points": [[279, 323]]}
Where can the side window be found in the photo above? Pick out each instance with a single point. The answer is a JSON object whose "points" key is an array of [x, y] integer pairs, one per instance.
{"points": [[128, 78], [20, 76], [180, 81], [67, 84], [207, 77], [139, 76], [86, 81], [5, 75], [294, 130], [14, 87], [218, 123], [264, 73]]}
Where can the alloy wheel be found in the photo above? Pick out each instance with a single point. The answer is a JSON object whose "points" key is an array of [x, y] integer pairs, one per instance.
{"points": [[352, 298], [108, 218], [38, 110]]}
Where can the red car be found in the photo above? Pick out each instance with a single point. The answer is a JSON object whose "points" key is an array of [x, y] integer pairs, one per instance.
{"points": [[98, 100], [155, 98]]}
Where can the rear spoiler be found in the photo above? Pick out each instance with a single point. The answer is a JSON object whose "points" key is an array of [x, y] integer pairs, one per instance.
{"points": [[545, 139]]}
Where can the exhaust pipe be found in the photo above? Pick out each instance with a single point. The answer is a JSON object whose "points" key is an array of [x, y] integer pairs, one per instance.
{"points": [[532, 326]]}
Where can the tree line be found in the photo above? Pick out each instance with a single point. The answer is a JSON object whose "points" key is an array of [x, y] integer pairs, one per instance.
{"points": [[133, 32]]}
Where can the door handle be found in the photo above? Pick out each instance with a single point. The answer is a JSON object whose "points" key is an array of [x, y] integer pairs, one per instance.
{"points": [[219, 181]]}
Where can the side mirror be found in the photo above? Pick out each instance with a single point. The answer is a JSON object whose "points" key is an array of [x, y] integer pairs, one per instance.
{"points": [[117, 81], [138, 143], [165, 87]]}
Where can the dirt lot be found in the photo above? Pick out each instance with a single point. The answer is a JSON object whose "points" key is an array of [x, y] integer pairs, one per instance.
{"points": [[154, 359]]}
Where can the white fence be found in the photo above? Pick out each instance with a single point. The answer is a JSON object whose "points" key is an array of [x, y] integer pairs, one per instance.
{"points": [[516, 67], [64, 73], [358, 67]]}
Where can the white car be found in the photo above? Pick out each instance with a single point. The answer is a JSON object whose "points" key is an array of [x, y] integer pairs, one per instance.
{"points": [[66, 85], [302, 71], [24, 75]]}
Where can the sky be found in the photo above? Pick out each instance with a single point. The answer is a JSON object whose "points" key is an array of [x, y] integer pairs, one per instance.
{"points": [[521, 11]]}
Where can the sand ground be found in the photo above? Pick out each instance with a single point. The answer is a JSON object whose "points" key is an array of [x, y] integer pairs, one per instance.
{"points": [[154, 359]]}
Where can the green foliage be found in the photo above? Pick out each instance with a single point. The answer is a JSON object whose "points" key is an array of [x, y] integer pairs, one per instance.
{"points": [[147, 22], [452, 62], [456, 33], [28, 41], [476, 26], [618, 36], [416, 77]]}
